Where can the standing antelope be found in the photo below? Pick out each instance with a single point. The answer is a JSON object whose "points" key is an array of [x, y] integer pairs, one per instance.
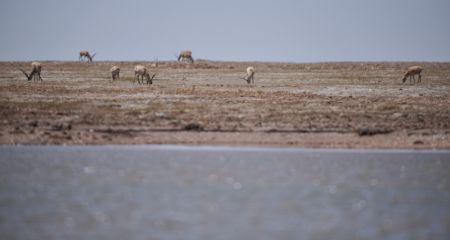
{"points": [[141, 71], [86, 55], [185, 56], [35, 73], [115, 71], [411, 73], [250, 78]]}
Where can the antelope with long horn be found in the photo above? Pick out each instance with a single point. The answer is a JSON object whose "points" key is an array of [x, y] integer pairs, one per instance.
{"points": [[115, 71], [86, 55], [250, 77], [35, 72], [185, 56], [411, 73], [140, 72]]}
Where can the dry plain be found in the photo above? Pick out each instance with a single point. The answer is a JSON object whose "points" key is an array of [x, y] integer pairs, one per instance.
{"points": [[314, 105]]}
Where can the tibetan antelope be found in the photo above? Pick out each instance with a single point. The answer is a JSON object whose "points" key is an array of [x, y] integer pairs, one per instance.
{"points": [[86, 55], [140, 72], [35, 72], [185, 56], [411, 73], [250, 78], [115, 71]]}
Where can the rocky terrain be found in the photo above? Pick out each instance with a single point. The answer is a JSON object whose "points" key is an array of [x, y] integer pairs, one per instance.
{"points": [[319, 105]]}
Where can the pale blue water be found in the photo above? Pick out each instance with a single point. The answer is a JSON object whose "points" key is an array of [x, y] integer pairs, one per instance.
{"points": [[182, 192]]}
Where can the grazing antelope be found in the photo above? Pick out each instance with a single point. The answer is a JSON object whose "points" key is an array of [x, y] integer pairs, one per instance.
{"points": [[412, 72], [140, 72], [250, 75], [35, 73], [185, 56], [86, 55], [115, 71]]}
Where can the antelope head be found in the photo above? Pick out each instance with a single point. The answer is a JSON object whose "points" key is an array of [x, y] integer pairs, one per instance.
{"points": [[404, 79], [28, 76], [91, 57], [246, 78], [150, 79], [177, 56]]}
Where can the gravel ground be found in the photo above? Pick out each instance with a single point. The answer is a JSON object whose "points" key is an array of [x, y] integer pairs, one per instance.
{"points": [[318, 105]]}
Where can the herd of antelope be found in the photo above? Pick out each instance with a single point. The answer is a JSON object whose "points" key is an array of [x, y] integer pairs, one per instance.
{"points": [[141, 72]]}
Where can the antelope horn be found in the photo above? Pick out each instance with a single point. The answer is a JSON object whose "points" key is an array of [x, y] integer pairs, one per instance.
{"points": [[28, 76]]}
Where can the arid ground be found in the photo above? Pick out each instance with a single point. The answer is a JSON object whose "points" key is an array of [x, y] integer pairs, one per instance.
{"points": [[326, 105]]}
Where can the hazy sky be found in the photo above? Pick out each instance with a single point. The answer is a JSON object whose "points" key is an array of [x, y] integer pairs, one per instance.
{"points": [[263, 30]]}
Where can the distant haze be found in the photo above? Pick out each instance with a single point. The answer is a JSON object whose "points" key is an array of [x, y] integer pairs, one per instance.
{"points": [[261, 30]]}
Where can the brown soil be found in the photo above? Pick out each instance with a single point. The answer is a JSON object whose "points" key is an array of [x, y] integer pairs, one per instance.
{"points": [[338, 105]]}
